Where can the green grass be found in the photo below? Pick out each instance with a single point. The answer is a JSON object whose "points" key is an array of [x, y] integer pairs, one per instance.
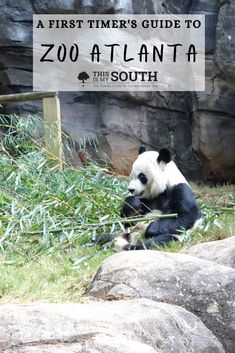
{"points": [[48, 218], [58, 277]]}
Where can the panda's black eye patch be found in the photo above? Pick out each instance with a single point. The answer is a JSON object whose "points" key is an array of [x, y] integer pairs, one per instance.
{"points": [[143, 178]]}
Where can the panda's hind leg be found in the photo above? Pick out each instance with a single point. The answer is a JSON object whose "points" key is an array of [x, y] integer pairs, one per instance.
{"points": [[159, 240]]}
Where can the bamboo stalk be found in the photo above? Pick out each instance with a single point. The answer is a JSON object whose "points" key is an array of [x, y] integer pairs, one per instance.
{"points": [[123, 220]]}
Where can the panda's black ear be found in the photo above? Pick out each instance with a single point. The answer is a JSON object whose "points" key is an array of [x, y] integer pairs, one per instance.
{"points": [[164, 156], [142, 149]]}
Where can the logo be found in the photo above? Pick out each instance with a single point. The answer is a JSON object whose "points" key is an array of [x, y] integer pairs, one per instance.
{"points": [[83, 76]]}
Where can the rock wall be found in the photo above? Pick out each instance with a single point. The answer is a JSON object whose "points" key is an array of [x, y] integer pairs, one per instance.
{"points": [[198, 127]]}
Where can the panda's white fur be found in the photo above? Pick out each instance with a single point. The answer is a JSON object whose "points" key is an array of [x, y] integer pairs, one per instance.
{"points": [[159, 175]]}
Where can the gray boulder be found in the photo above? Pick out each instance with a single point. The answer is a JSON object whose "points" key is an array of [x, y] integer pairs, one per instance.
{"points": [[220, 251], [213, 125], [202, 287], [135, 326]]}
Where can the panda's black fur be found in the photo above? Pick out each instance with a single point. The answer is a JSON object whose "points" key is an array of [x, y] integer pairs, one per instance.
{"points": [[174, 199], [178, 199]]}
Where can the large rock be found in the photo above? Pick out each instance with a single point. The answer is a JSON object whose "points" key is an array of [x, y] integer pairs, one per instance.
{"points": [[210, 9], [122, 327], [213, 135], [202, 287], [225, 49], [213, 125], [220, 251]]}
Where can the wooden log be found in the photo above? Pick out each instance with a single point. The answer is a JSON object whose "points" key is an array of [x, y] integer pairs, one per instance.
{"points": [[29, 96], [53, 135]]}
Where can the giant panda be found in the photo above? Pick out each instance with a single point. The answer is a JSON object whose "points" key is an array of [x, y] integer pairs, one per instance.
{"points": [[156, 184]]}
